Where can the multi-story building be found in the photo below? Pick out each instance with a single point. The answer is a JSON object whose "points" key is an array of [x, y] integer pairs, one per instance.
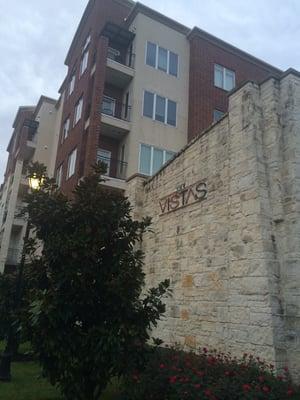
{"points": [[35, 138], [139, 87]]}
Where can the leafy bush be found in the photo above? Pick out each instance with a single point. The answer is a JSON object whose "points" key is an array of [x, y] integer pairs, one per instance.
{"points": [[7, 298], [175, 375], [88, 319]]}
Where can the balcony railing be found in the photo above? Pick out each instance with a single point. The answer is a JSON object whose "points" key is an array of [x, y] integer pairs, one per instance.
{"points": [[125, 58], [13, 256], [115, 108], [115, 168]]}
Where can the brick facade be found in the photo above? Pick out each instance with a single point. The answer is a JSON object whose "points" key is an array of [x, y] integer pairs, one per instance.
{"points": [[206, 51], [90, 87], [204, 97]]}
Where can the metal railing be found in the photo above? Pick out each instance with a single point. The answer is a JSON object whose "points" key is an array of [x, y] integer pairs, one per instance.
{"points": [[115, 108], [115, 168], [126, 58], [32, 126]]}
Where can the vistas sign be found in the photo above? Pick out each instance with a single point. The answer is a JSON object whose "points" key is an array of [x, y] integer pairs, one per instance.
{"points": [[184, 196]]}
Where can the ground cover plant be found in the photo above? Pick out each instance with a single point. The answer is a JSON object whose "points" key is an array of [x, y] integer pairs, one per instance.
{"points": [[175, 375]]}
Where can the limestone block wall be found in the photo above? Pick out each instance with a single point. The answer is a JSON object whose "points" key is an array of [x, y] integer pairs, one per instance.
{"points": [[234, 257]]}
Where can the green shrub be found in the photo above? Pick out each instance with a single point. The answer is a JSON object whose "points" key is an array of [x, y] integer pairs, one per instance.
{"points": [[176, 375], [89, 317]]}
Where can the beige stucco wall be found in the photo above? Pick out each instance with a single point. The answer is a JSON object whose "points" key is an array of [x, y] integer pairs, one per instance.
{"points": [[49, 118], [12, 232], [233, 258], [145, 130]]}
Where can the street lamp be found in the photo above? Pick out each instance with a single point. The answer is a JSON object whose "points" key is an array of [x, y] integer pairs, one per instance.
{"points": [[5, 361]]}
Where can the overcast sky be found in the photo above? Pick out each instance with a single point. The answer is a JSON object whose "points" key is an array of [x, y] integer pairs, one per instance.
{"points": [[35, 36]]}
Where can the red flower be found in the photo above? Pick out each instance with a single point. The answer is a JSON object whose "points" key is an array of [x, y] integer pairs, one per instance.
{"points": [[162, 366], [211, 360], [280, 377], [261, 379], [265, 389], [173, 379], [200, 373], [208, 392], [285, 369], [246, 387], [205, 350], [197, 386], [227, 373], [290, 392]]}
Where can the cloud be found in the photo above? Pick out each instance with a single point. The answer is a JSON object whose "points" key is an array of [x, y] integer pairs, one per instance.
{"points": [[35, 36]]}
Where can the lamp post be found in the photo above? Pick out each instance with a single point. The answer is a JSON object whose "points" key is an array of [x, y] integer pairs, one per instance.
{"points": [[5, 361]]}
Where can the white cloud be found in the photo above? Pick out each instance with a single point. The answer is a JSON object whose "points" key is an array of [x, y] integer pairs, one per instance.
{"points": [[35, 36]]}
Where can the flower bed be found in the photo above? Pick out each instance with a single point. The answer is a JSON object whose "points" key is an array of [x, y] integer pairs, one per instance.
{"points": [[174, 375]]}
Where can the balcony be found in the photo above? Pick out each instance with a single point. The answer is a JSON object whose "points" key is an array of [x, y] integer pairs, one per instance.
{"points": [[116, 170], [19, 215], [115, 117], [13, 256], [119, 67], [30, 144], [120, 59]]}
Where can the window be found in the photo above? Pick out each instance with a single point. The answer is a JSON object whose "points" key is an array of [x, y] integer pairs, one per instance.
{"points": [[161, 58], [224, 78], [172, 111], [78, 111], [66, 128], [86, 43], [145, 159], [72, 163], [173, 64], [72, 84], [59, 175], [108, 105], [105, 157], [151, 54], [152, 159], [84, 62], [160, 108], [217, 115], [148, 104]]}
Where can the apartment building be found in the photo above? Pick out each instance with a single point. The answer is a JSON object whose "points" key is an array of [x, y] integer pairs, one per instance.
{"points": [[35, 138], [139, 87]]}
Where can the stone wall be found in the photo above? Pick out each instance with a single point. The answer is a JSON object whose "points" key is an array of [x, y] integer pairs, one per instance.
{"points": [[234, 257]]}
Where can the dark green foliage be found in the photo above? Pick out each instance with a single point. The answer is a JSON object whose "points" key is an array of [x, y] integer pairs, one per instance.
{"points": [[88, 319], [7, 297], [175, 375]]}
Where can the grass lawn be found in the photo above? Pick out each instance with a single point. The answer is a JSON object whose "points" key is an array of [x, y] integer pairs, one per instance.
{"points": [[27, 384]]}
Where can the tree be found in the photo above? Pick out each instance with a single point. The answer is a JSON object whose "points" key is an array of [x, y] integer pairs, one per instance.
{"points": [[88, 319]]}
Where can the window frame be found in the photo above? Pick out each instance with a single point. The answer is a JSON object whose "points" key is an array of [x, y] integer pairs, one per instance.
{"points": [[74, 151], [156, 66], [86, 43], [59, 174], [75, 122], [72, 84], [152, 148], [165, 122], [65, 134], [85, 56], [224, 72], [215, 111]]}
